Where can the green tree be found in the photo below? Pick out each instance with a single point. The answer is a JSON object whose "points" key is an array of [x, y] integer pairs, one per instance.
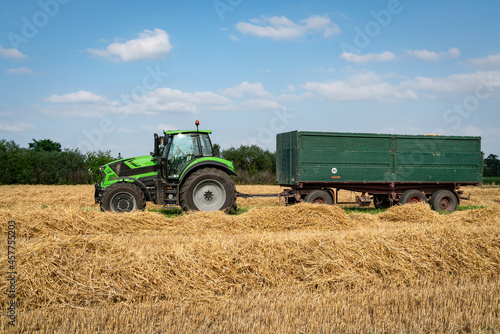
{"points": [[251, 158], [216, 150], [45, 145], [9, 155], [491, 166], [45, 163]]}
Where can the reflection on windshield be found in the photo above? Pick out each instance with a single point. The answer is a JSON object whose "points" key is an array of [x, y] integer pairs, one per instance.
{"points": [[182, 150]]}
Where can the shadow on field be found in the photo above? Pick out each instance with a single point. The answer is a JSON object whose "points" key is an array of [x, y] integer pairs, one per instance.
{"points": [[178, 212]]}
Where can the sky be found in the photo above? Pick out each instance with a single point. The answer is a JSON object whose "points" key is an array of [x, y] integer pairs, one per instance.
{"points": [[107, 75]]}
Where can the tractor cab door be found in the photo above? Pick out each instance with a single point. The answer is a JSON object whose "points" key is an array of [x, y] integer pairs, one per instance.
{"points": [[180, 151]]}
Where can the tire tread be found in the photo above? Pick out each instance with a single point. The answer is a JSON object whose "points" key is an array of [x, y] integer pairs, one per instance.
{"points": [[204, 171]]}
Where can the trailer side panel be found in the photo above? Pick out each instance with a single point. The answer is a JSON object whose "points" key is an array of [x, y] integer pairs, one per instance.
{"points": [[360, 157]]}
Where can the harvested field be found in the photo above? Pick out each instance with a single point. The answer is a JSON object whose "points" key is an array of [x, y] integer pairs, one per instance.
{"points": [[273, 268]]}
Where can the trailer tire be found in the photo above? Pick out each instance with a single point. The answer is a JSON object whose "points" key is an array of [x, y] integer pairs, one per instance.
{"points": [[319, 197], [444, 200], [208, 189], [123, 197], [412, 196]]}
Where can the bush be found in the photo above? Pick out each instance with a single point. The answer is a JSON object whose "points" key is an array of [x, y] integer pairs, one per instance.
{"points": [[263, 177], [253, 164], [45, 163]]}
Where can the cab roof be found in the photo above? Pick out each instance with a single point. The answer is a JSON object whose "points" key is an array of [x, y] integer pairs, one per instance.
{"points": [[173, 132]]}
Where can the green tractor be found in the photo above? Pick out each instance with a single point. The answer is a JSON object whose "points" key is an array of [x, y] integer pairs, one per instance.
{"points": [[182, 170]]}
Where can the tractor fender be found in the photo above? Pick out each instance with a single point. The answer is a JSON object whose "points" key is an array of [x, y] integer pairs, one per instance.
{"points": [[138, 183], [204, 164]]}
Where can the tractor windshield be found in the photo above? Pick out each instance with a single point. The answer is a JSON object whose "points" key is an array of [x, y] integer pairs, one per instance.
{"points": [[183, 148]]}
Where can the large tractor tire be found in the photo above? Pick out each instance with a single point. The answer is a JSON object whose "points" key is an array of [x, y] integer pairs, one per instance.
{"points": [[208, 189], [123, 197]]}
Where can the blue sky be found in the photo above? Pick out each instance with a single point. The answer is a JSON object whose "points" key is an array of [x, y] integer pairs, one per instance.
{"points": [[106, 75]]}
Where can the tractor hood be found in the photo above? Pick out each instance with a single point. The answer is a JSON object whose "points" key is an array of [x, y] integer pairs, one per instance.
{"points": [[131, 167]]}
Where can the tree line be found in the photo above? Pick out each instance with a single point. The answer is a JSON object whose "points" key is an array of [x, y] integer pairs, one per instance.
{"points": [[253, 164], [491, 166], [45, 162]]}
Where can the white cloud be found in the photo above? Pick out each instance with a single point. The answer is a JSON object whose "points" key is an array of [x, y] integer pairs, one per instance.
{"points": [[11, 53], [16, 127], [243, 97], [366, 86], [282, 28], [81, 96], [20, 70], [259, 104], [255, 89], [465, 83], [371, 57], [491, 61], [150, 45], [158, 128], [260, 99], [88, 104], [295, 97], [167, 99], [434, 56]]}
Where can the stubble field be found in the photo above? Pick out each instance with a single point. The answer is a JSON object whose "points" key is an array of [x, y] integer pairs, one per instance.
{"points": [[273, 268]]}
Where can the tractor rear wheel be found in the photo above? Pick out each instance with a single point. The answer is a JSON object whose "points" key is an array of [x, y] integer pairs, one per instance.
{"points": [[208, 189], [123, 197]]}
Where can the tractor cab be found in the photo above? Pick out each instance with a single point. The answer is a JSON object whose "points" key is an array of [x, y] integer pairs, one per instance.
{"points": [[182, 148]]}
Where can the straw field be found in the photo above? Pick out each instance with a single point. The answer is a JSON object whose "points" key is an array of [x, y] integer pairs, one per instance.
{"points": [[273, 268]]}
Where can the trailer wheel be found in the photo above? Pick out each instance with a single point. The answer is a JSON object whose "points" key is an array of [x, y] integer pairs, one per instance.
{"points": [[208, 189], [123, 197], [412, 196], [444, 200], [319, 197]]}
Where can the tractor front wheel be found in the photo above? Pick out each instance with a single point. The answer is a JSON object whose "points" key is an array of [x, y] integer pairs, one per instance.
{"points": [[208, 189], [123, 197]]}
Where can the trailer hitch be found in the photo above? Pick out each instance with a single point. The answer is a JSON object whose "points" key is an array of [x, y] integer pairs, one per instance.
{"points": [[238, 194], [465, 198]]}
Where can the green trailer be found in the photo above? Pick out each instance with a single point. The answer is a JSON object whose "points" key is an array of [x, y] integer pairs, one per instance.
{"points": [[384, 168]]}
